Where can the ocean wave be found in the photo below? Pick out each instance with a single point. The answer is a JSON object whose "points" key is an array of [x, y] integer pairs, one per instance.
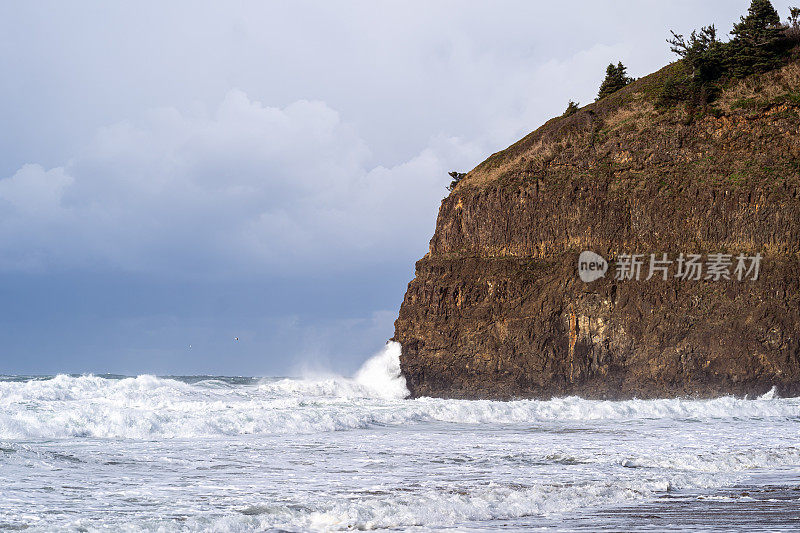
{"points": [[385, 508], [151, 407], [438, 509], [378, 377]]}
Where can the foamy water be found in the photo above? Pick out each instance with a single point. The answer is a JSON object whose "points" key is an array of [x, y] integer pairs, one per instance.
{"points": [[221, 454]]}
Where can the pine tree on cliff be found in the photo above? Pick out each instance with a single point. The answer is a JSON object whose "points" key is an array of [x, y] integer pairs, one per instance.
{"points": [[794, 17], [756, 40], [702, 51], [761, 17], [457, 176], [572, 108], [616, 79]]}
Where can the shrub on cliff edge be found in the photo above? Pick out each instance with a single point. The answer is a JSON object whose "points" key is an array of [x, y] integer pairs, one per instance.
{"points": [[616, 78], [457, 176], [572, 108]]}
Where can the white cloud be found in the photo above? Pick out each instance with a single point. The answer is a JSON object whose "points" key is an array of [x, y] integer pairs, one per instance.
{"points": [[365, 109], [247, 188], [34, 191]]}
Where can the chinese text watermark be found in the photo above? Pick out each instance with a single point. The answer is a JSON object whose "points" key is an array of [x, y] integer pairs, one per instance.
{"points": [[684, 267]]}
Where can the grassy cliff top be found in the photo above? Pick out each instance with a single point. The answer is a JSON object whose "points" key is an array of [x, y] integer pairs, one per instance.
{"points": [[640, 131]]}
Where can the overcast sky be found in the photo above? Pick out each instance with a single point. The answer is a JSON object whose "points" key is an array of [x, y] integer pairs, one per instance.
{"points": [[177, 174]]}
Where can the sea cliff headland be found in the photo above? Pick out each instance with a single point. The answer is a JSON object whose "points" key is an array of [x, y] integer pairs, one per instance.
{"points": [[498, 310]]}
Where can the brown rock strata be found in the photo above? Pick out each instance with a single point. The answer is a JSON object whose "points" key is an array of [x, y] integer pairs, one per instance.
{"points": [[497, 309]]}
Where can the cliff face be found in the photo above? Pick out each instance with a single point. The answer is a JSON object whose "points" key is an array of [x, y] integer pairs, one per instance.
{"points": [[497, 309]]}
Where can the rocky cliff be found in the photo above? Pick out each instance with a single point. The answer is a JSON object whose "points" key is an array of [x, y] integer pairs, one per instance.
{"points": [[497, 309]]}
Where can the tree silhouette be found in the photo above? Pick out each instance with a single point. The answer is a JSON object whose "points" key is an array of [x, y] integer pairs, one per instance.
{"points": [[616, 79], [457, 176], [756, 41], [572, 108]]}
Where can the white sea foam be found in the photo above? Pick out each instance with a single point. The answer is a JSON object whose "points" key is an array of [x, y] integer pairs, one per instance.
{"points": [[148, 406], [336, 453], [144, 407], [381, 374], [378, 377]]}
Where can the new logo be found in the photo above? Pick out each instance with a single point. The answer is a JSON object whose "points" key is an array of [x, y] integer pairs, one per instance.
{"points": [[591, 266]]}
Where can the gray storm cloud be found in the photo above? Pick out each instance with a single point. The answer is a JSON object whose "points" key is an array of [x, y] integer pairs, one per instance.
{"points": [[187, 172], [246, 187], [255, 136]]}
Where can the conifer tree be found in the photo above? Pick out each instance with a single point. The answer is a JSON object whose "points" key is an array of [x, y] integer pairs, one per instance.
{"points": [[702, 50], [616, 79], [760, 23], [756, 40], [572, 108], [794, 17], [457, 176], [793, 31], [759, 42]]}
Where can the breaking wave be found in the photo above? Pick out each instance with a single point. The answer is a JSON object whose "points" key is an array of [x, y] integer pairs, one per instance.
{"points": [[378, 377], [147, 406]]}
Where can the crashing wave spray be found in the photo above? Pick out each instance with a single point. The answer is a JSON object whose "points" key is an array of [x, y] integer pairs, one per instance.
{"points": [[379, 378], [381, 373]]}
